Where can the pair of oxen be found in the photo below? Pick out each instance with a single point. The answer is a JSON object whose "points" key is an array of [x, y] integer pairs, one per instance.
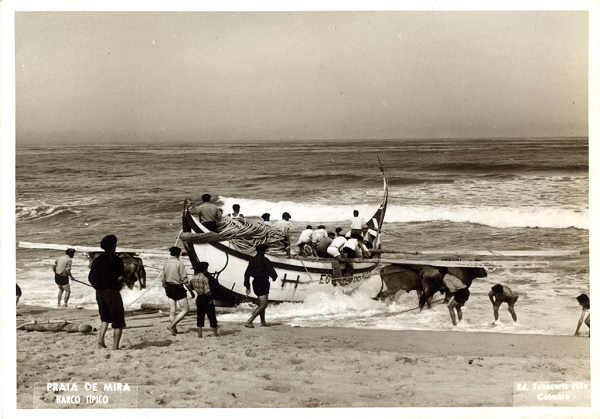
{"points": [[426, 280]]}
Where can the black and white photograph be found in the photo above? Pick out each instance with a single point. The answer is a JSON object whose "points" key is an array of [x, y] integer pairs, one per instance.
{"points": [[299, 208]]}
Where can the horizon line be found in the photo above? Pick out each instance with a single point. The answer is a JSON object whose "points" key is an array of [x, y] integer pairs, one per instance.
{"points": [[304, 140]]}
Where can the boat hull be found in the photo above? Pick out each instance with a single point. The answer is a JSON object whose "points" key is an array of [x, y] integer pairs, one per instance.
{"points": [[296, 278]]}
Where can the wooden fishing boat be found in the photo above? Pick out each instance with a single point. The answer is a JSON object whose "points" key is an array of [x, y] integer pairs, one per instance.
{"points": [[296, 276]]}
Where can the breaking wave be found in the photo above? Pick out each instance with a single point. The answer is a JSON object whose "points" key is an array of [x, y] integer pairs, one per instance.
{"points": [[502, 217], [487, 167], [43, 212], [29, 210]]}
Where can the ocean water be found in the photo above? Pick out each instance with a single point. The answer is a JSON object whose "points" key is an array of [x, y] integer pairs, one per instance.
{"points": [[480, 194]]}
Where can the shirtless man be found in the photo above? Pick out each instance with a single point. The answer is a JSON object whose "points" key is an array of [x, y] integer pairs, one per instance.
{"points": [[62, 274], [584, 302], [502, 294], [457, 301]]}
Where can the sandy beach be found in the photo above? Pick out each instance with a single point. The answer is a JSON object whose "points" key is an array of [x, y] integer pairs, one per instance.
{"points": [[282, 366]]}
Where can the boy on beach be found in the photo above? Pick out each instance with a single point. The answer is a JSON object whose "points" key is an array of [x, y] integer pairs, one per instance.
{"points": [[204, 302], [106, 276], [584, 302], [62, 274], [502, 294]]}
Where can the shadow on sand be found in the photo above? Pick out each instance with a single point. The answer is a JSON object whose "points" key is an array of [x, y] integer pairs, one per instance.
{"points": [[147, 344]]}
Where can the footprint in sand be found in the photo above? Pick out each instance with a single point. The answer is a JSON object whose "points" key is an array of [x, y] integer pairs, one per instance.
{"points": [[278, 388]]}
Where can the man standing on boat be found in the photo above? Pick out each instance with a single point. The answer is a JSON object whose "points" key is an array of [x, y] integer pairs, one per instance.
{"points": [[357, 225], [208, 213], [62, 274], [261, 269]]}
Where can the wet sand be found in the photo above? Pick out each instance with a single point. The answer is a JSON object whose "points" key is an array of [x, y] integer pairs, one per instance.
{"points": [[282, 366]]}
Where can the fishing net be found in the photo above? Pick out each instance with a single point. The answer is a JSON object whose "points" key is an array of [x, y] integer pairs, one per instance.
{"points": [[244, 236]]}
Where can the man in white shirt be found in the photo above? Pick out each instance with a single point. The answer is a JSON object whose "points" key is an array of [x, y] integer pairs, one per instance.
{"points": [[305, 237], [357, 225], [354, 247], [235, 215], [284, 225], [319, 234], [334, 247]]}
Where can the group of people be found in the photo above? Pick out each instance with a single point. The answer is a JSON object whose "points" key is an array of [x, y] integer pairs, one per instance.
{"points": [[107, 270], [500, 294], [175, 282], [318, 242], [327, 244]]}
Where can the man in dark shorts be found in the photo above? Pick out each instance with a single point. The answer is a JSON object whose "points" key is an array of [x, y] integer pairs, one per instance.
{"points": [[457, 301], [106, 276], [62, 274], [260, 268], [173, 278], [502, 294]]}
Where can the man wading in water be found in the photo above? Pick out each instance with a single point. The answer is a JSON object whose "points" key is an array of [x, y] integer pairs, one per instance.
{"points": [[106, 276], [62, 274], [260, 268]]}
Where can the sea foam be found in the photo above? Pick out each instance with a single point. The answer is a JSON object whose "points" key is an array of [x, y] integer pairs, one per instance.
{"points": [[501, 217]]}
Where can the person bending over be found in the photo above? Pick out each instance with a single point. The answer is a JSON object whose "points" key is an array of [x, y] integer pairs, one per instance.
{"points": [[584, 302], [304, 239], [502, 294], [457, 301]]}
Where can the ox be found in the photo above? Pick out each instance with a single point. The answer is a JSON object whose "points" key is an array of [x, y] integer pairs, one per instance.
{"points": [[425, 279], [134, 268]]}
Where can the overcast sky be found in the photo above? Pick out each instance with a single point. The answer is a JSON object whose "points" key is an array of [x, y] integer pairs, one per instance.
{"points": [[126, 77]]}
